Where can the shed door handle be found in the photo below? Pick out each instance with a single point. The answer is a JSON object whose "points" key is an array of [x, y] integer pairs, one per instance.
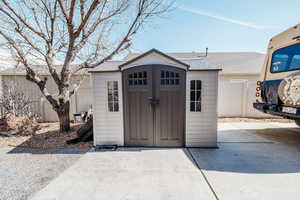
{"points": [[153, 101]]}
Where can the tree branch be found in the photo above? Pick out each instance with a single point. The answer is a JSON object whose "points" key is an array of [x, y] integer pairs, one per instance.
{"points": [[24, 22], [30, 74]]}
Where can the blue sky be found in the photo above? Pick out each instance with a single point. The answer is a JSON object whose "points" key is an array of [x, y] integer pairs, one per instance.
{"points": [[220, 25]]}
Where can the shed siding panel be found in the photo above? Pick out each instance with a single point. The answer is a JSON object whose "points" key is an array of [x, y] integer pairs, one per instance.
{"points": [[108, 126], [152, 59], [201, 127]]}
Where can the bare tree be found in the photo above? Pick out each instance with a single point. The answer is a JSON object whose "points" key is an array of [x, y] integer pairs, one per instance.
{"points": [[81, 33]]}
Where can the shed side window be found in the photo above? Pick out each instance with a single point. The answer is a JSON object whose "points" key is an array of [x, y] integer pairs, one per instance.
{"points": [[195, 96], [113, 96]]}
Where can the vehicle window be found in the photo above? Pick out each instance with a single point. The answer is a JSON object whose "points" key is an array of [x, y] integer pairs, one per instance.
{"points": [[286, 59], [295, 63], [279, 62]]}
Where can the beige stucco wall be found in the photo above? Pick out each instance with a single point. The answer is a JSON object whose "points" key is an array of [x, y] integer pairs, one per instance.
{"points": [[236, 96], [41, 106]]}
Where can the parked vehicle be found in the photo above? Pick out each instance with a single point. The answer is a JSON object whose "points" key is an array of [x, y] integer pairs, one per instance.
{"points": [[278, 90]]}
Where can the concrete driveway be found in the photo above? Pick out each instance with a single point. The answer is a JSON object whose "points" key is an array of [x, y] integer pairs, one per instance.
{"points": [[133, 173], [254, 161]]}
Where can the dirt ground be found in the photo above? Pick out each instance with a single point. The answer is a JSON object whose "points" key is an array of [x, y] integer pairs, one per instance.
{"points": [[255, 120], [46, 138], [49, 137]]}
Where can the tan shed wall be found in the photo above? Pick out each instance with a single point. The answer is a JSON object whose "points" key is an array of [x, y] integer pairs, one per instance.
{"points": [[108, 126], [154, 58], [201, 127]]}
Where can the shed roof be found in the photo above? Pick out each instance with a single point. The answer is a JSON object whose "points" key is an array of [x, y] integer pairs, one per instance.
{"points": [[229, 62]]}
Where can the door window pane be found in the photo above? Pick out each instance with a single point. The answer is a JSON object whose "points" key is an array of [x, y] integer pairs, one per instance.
{"points": [[195, 95], [169, 78], [137, 78], [140, 75], [167, 74]]}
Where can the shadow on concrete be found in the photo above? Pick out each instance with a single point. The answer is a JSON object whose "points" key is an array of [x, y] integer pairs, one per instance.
{"points": [[280, 155], [269, 151], [30, 150]]}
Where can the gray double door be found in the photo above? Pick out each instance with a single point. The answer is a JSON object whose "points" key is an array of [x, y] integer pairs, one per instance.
{"points": [[154, 106]]}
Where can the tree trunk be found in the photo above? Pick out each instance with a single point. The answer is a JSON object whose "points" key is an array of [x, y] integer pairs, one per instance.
{"points": [[64, 117]]}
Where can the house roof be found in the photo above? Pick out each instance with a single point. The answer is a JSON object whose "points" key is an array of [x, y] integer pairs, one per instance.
{"points": [[108, 66], [229, 62], [20, 70], [191, 63]]}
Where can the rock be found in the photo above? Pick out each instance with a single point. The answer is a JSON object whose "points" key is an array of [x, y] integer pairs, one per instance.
{"points": [[85, 132]]}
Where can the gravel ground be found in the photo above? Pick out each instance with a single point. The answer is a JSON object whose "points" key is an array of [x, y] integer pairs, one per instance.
{"points": [[24, 171]]}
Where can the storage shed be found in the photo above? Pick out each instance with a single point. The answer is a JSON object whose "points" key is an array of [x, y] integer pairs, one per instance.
{"points": [[155, 100], [240, 72]]}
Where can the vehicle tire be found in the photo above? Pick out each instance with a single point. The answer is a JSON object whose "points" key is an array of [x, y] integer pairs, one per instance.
{"points": [[297, 121]]}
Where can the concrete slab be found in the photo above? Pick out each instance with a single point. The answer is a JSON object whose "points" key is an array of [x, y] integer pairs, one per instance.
{"points": [[254, 161], [130, 173], [233, 133], [285, 125], [251, 170]]}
